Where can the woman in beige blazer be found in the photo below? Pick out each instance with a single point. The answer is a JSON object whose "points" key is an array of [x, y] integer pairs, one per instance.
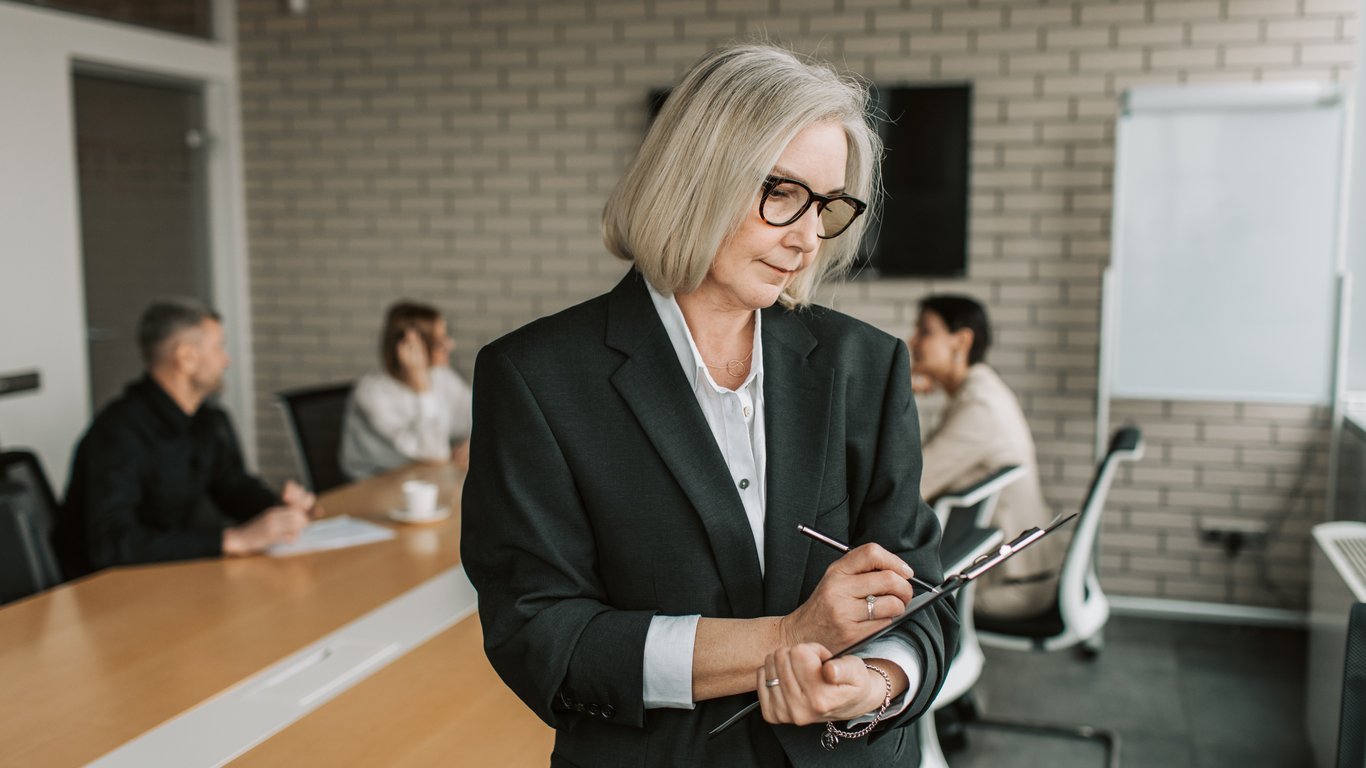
{"points": [[982, 430]]}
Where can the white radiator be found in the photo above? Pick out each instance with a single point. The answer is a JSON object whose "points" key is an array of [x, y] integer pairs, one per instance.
{"points": [[1338, 580]]}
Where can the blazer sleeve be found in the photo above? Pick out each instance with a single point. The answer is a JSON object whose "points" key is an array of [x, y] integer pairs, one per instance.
{"points": [[527, 545], [893, 510]]}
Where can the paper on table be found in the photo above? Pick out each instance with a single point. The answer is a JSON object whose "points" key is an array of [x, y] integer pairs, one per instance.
{"points": [[333, 533]]}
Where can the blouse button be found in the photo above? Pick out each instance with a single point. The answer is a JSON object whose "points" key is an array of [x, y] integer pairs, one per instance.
{"points": [[744, 484]]}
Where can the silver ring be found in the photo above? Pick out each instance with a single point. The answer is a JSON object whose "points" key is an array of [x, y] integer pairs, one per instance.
{"points": [[772, 682], [872, 601]]}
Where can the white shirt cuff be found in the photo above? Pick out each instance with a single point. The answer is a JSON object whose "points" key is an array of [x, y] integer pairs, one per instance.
{"points": [[898, 651], [667, 679]]}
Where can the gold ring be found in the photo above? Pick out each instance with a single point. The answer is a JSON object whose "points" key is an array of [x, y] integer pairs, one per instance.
{"points": [[872, 601], [772, 682]]}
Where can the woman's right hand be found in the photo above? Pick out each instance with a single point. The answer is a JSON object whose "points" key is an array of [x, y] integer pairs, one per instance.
{"points": [[836, 614], [412, 358]]}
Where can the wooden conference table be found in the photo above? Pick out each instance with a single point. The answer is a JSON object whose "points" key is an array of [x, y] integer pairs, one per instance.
{"points": [[94, 663]]}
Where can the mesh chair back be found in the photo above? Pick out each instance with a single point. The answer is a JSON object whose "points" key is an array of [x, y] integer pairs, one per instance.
{"points": [[27, 511], [1352, 723], [315, 416]]}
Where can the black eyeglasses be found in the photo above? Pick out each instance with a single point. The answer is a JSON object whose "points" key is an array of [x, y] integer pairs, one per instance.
{"points": [[785, 200]]}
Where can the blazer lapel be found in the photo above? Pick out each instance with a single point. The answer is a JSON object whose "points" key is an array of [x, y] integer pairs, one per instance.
{"points": [[654, 387], [797, 404]]}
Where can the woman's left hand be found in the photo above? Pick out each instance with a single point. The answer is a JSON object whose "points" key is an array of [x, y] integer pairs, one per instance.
{"points": [[812, 687]]}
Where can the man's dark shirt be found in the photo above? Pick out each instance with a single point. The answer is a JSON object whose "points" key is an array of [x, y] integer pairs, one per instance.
{"points": [[150, 483]]}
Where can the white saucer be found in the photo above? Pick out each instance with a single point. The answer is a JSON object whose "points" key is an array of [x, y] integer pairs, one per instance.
{"points": [[403, 516]]}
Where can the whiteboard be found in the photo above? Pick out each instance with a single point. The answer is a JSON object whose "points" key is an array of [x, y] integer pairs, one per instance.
{"points": [[1225, 243]]}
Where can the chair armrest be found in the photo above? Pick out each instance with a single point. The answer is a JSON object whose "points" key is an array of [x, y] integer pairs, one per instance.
{"points": [[966, 497]]}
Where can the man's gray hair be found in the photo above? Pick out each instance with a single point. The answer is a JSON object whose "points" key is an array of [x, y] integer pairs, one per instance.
{"points": [[166, 318]]}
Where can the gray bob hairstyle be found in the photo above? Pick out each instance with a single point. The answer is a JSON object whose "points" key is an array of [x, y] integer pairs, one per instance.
{"points": [[698, 173]]}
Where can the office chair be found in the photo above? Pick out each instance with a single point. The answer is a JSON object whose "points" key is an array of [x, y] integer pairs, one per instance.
{"points": [[1077, 616], [315, 416], [966, 667], [963, 515], [980, 497], [27, 510]]}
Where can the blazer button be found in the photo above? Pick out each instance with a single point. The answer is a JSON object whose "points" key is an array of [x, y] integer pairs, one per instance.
{"points": [[578, 707], [593, 710], [608, 711]]}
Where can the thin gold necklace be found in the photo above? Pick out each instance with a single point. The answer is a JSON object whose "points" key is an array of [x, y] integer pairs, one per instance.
{"points": [[736, 368]]}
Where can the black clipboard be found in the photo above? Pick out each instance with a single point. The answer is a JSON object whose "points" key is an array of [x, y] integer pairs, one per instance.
{"points": [[920, 602]]}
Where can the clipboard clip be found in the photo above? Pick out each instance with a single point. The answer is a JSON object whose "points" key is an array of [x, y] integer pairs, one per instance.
{"points": [[992, 559]]}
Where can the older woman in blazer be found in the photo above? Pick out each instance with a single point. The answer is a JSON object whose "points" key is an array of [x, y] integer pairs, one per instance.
{"points": [[640, 462]]}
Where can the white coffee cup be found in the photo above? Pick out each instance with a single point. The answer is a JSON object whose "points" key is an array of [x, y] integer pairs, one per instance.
{"points": [[419, 498]]}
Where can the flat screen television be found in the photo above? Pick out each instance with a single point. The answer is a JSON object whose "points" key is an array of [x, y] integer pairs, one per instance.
{"points": [[923, 230]]}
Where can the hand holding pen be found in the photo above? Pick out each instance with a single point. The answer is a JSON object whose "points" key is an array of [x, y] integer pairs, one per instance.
{"points": [[843, 548], [860, 592], [922, 601]]}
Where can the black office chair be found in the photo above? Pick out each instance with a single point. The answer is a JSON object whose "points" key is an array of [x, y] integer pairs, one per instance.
{"points": [[27, 511], [1077, 616], [315, 416]]}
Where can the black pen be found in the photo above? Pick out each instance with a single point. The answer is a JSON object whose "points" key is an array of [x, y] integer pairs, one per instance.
{"points": [[843, 548]]}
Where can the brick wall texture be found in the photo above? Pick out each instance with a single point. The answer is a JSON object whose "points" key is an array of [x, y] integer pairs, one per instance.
{"points": [[460, 153]]}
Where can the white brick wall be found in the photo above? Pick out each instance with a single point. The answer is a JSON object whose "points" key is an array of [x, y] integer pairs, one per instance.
{"points": [[459, 152]]}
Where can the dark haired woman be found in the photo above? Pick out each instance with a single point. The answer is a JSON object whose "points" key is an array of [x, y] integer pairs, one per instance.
{"points": [[417, 408], [983, 430]]}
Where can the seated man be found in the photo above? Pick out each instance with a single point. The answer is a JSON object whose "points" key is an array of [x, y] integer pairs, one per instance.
{"points": [[159, 474]]}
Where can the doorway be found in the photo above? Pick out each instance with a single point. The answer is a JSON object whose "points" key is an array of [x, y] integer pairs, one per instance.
{"points": [[143, 212]]}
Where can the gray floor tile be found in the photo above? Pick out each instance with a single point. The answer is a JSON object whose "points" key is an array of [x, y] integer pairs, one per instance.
{"points": [[1180, 695]]}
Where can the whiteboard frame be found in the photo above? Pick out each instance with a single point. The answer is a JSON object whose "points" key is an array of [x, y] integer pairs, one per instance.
{"points": [[1227, 97]]}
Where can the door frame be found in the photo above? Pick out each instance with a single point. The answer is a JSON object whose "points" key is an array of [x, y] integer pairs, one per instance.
{"points": [[40, 233]]}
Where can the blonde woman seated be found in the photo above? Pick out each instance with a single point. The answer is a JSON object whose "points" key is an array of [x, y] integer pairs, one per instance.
{"points": [[982, 430], [417, 408]]}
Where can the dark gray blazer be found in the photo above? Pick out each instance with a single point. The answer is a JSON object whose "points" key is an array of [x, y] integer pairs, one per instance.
{"points": [[597, 498]]}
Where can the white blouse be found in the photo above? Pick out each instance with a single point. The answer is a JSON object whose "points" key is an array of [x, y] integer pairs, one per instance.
{"points": [[736, 419], [388, 424]]}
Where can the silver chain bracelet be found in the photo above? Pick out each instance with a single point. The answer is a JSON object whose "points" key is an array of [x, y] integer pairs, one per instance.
{"points": [[831, 738]]}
